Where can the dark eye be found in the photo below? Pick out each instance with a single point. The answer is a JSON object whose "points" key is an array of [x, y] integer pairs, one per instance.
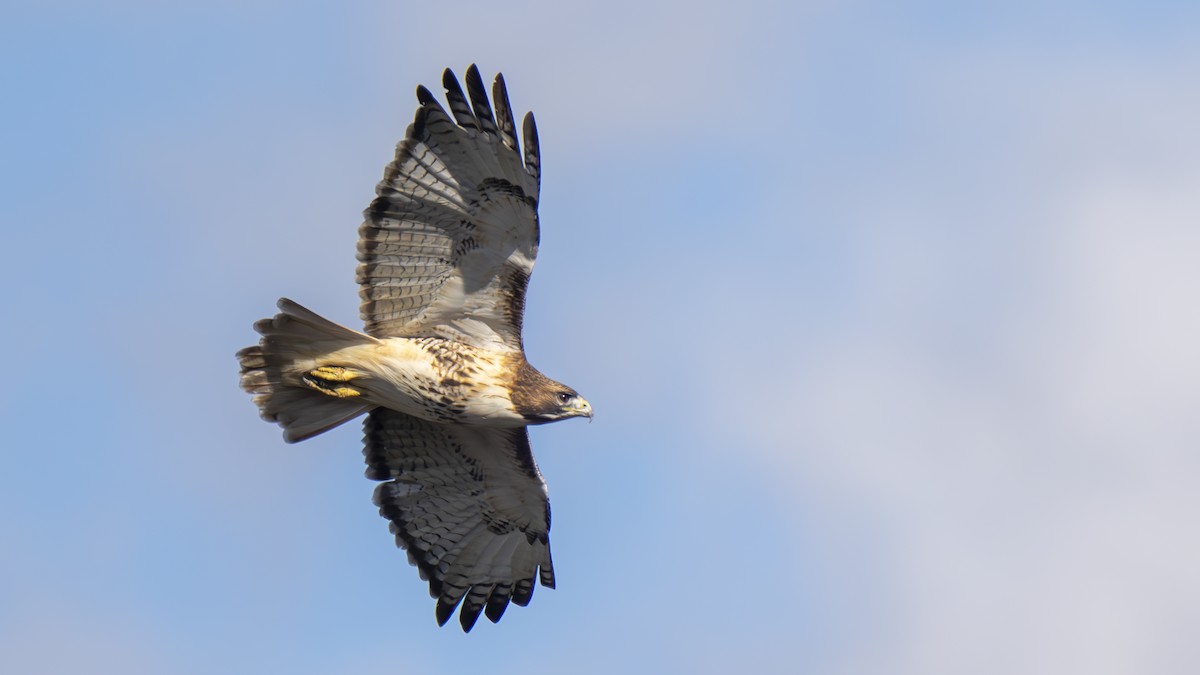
{"points": [[564, 398]]}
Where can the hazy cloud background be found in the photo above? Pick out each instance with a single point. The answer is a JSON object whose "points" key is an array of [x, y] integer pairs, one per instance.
{"points": [[888, 310]]}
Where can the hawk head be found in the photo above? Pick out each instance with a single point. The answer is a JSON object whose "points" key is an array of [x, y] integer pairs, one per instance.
{"points": [[540, 399]]}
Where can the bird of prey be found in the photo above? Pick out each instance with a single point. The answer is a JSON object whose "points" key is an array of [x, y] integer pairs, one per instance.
{"points": [[445, 253]]}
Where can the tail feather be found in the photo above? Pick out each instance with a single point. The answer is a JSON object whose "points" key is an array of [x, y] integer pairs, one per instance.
{"points": [[273, 371]]}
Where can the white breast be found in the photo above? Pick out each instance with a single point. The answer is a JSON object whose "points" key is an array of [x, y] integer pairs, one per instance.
{"points": [[434, 379]]}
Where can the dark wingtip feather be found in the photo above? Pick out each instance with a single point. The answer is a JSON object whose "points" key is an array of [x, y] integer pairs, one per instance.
{"points": [[445, 609], [415, 130], [546, 570], [469, 615], [459, 106], [497, 603], [533, 154], [523, 592], [504, 116], [424, 96], [479, 100]]}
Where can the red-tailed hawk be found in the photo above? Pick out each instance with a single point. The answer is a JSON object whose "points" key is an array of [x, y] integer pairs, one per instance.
{"points": [[445, 255]]}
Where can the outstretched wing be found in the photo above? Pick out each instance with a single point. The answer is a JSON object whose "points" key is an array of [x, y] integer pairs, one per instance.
{"points": [[448, 244], [468, 504]]}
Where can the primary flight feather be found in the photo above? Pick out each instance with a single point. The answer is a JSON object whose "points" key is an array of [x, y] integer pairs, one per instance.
{"points": [[445, 253]]}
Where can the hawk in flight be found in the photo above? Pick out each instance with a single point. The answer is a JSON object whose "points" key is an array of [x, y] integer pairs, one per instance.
{"points": [[445, 253]]}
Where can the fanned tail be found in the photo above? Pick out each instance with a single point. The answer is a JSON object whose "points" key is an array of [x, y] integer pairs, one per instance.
{"points": [[279, 372]]}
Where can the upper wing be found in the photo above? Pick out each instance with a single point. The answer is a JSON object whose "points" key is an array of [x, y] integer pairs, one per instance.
{"points": [[448, 244], [469, 505]]}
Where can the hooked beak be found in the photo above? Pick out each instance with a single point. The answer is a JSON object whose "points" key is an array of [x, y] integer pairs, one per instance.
{"points": [[582, 408]]}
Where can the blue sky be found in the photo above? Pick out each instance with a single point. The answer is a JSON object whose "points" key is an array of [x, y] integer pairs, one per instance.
{"points": [[887, 310]]}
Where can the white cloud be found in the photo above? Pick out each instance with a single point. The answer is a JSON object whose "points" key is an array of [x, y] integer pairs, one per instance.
{"points": [[1029, 450]]}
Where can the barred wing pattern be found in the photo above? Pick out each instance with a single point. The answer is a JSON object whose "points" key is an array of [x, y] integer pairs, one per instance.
{"points": [[468, 504], [448, 244]]}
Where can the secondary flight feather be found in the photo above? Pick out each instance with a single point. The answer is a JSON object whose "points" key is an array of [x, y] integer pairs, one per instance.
{"points": [[445, 253]]}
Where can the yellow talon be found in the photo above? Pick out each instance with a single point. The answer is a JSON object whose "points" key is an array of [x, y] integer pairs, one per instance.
{"points": [[322, 379], [334, 373]]}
